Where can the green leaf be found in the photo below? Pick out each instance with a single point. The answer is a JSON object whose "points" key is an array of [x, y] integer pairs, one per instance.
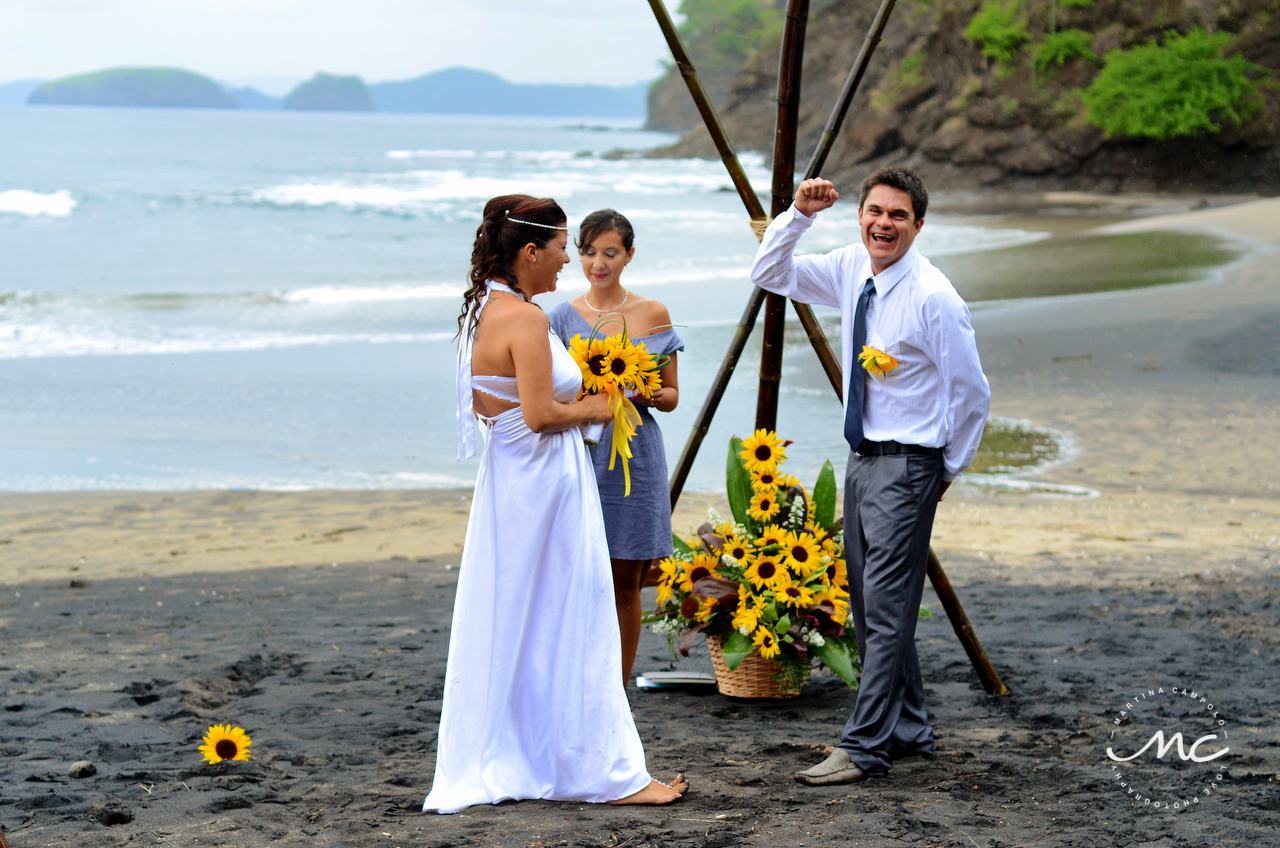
{"points": [[835, 656], [784, 624], [824, 496], [924, 613], [736, 648], [681, 546], [738, 484]]}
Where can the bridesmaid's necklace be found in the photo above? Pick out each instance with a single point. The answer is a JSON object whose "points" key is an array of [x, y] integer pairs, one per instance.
{"points": [[626, 294]]}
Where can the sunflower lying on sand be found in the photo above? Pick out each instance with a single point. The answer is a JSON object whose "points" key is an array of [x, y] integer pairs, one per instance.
{"points": [[224, 742], [622, 368], [772, 580]]}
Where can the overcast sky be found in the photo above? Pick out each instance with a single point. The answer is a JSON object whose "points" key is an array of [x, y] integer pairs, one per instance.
{"points": [[276, 42]]}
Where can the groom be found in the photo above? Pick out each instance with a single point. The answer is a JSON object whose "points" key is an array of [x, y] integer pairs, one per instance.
{"points": [[912, 429]]}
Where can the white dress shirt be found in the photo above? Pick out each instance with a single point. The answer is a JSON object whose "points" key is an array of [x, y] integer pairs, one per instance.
{"points": [[937, 396]]}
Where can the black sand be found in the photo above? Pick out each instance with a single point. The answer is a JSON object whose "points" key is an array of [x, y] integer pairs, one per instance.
{"points": [[337, 673]]}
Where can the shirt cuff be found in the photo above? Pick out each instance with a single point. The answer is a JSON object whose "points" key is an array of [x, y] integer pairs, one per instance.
{"points": [[799, 218], [948, 477]]}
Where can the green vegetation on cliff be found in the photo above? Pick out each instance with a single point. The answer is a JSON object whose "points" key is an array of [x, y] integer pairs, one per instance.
{"points": [[1140, 95], [1184, 87], [164, 87], [1058, 48], [1000, 28]]}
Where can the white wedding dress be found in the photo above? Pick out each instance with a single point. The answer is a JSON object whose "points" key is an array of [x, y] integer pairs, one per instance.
{"points": [[534, 705]]}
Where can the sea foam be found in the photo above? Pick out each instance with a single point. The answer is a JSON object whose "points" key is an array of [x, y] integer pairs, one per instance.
{"points": [[343, 295], [39, 341], [19, 201]]}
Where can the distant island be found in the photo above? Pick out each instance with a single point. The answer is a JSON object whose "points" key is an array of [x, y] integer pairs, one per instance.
{"points": [[453, 91], [466, 91], [330, 93], [16, 92], [249, 97], [163, 87]]}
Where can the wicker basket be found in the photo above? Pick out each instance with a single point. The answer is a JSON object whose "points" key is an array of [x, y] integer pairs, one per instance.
{"points": [[752, 679]]}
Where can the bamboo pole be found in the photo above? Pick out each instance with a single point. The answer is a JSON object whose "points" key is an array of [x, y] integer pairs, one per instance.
{"points": [[709, 117], [790, 69], [830, 364], [851, 83], [703, 422], [4, 843], [826, 356], [964, 630], [758, 222], [942, 585]]}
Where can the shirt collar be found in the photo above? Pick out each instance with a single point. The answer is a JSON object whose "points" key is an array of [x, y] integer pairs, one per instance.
{"points": [[896, 273]]}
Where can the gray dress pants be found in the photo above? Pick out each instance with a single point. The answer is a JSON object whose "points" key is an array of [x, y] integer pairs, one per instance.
{"points": [[889, 506]]}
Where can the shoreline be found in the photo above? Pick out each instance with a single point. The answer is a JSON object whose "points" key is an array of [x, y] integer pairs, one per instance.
{"points": [[1146, 395], [982, 533]]}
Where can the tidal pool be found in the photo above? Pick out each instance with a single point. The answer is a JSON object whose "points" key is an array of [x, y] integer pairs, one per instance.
{"points": [[1081, 263], [1011, 446]]}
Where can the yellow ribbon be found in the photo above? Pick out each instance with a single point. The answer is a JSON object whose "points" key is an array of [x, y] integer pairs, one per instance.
{"points": [[625, 421]]}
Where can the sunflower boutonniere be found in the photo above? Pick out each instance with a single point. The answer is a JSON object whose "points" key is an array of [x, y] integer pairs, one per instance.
{"points": [[876, 362]]}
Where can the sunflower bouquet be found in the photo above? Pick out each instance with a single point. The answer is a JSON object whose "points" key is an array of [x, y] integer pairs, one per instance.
{"points": [[622, 368], [772, 580]]}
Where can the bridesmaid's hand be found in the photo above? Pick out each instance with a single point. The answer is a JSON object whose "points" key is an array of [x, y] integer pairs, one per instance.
{"points": [[655, 400]]}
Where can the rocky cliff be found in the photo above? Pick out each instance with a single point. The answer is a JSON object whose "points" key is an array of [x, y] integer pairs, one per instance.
{"points": [[1008, 111]]}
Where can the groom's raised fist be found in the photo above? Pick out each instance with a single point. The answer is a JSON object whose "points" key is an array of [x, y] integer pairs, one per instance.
{"points": [[815, 195]]}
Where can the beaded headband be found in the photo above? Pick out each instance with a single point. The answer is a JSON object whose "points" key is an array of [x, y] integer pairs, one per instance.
{"points": [[507, 212], [536, 224]]}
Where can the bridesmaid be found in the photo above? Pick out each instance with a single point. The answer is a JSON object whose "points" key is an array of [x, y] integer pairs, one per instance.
{"points": [[638, 526]]}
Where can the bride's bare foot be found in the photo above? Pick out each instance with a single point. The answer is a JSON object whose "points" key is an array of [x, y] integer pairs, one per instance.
{"points": [[657, 793]]}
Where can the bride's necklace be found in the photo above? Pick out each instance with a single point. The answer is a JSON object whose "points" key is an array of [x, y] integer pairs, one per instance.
{"points": [[599, 312]]}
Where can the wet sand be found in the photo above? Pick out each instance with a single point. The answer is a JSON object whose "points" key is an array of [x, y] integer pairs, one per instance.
{"points": [[1167, 576]]}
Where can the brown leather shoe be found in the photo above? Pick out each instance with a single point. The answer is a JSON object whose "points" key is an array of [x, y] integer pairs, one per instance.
{"points": [[832, 771]]}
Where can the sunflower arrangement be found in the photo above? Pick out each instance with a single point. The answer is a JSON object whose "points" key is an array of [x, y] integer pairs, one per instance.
{"points": [[622, 368], [771, 580]]}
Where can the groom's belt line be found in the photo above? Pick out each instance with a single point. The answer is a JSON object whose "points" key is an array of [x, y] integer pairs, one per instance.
{"points": [[870, 448]]}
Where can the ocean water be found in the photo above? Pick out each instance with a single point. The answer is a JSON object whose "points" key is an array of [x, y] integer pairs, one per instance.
{"points": [[220, 299]]}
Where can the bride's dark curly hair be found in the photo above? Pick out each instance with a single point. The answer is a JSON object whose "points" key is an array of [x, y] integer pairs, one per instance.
{"points": [[499, 239]]}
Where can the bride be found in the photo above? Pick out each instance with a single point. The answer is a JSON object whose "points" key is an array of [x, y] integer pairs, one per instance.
{"points": [[534, 705]]}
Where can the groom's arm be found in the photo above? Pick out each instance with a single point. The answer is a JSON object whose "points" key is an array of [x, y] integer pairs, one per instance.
{"points": [[808, 279], [950, 343]]}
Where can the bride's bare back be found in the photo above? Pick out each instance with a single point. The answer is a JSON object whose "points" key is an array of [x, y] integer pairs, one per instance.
{"points": [[513, 340]]}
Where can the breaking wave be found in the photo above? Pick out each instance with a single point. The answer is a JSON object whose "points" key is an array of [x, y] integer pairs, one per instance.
{"points": [[19, 201]]}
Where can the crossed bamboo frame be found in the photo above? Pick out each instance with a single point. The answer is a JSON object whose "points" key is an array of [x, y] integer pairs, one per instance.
{"points": [[791, 58]]}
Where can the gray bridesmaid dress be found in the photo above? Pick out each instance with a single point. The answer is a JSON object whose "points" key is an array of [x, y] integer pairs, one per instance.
{"points": [[637, 526]]}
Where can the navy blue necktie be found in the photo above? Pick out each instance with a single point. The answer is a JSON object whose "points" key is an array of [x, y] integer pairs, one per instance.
{"points": [[857, 376]]}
